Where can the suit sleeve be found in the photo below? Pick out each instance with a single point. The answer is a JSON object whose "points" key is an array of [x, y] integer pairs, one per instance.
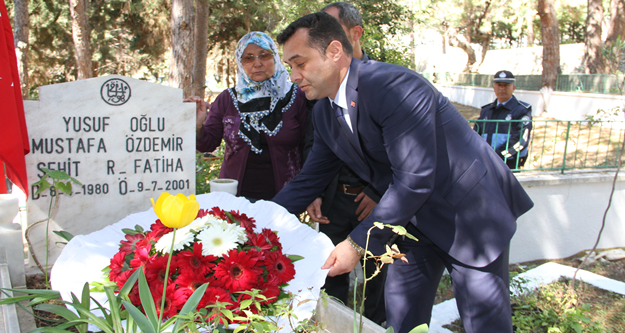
{"points": [[409, 131], [320, 167]]}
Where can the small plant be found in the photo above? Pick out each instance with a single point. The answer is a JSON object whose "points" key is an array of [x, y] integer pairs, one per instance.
{"points": [[61, 182], [392, 253], [552, 308]]}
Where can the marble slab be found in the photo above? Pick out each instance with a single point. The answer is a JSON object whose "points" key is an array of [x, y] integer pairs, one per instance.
{"points": [[125, 140]]}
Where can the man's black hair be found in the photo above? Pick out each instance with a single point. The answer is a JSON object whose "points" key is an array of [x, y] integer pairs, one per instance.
{"points": [[349, 15], [322, 27]]}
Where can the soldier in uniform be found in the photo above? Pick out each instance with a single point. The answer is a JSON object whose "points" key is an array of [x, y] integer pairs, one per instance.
{"points": [[509, 139]]}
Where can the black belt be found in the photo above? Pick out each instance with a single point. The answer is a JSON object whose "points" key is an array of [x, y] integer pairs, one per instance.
{"points": [[349, 190]]}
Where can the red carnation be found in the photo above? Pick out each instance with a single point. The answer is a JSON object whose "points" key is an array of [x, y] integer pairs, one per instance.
{"points": [[158, 229], [259, 241], [155, 270], [129, 245], [237, 271], [191, 279], [117, 264], [279, 267], [173, 301], [217, 212], [246, 222], [195, 261], [270, 292], [214, 295], [141, 257], [201, 213], [272, 238]]}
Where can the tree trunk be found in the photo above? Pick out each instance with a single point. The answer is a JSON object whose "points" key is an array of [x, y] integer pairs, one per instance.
{"points": [[592, 55], [181, 63], [201, 47], [617, 22], [80, 32], [22, 29], [551, 43], [466, 47]]}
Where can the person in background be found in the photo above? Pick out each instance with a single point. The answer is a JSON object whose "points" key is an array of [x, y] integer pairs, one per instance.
{"points": [[509, 139], [262, 120], [349, 199]]}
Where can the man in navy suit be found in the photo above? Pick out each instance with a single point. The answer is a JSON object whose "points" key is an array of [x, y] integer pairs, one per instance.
{"points": [[440, 179]]}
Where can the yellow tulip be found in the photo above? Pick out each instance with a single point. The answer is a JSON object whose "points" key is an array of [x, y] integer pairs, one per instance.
{"points": [[176, 211]]}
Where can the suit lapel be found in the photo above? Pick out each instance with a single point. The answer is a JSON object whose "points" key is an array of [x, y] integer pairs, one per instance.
{"points": [[351, 94]]}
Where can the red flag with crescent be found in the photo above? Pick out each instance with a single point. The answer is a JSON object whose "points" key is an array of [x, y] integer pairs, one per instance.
{"points": [[13, 134]]}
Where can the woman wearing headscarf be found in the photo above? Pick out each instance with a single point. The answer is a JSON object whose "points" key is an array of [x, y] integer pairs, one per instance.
{"points": [[262, 121]]}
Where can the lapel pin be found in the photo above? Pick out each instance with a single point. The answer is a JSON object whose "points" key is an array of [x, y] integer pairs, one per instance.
{"points": [[353, 104]]}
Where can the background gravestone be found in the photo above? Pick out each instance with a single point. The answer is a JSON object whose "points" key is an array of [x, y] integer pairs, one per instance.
{"points": [[125, 140]]}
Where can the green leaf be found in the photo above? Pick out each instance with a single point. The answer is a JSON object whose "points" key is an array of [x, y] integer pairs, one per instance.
{"points": [[147, 301], [76, 181], [295, 257], [423, 328], [125, 290], [115, 309], [56, 174], [190, 305], [143, 323], [64, 187], [128, 231], [44, 186], [246, 304], [59, 310], [398, 229], [64, 234], [390, 330]]}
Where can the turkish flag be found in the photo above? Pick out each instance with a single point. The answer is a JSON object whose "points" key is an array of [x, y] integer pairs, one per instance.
{"points": [[13, 133]]}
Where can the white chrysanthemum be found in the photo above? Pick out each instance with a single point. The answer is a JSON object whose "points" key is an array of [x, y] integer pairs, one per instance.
{"points": [[217, 241], [197, 224], [184, 236], [240, 232], [213, 221]]}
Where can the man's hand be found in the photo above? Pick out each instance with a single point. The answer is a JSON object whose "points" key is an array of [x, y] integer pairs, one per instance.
{"points": [[314, 211], [342, 260], [365, 207], [201, 110]]}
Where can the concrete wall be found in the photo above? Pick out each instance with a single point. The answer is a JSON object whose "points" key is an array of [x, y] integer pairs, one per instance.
{"points": [[567, 214], [561, 105]]}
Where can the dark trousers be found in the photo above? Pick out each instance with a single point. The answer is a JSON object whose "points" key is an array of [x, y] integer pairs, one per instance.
{"points": [[343, 220], [482, 294]]}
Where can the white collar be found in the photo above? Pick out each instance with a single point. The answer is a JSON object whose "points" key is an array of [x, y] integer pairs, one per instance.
{"points": [[341, 96]]}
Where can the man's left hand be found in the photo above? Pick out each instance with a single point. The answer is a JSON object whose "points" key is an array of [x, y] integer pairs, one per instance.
{"points": [[342, 259], [365, 207]]}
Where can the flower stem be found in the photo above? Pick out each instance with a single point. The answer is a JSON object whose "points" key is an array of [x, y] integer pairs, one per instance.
{"points": [[171, 251]]}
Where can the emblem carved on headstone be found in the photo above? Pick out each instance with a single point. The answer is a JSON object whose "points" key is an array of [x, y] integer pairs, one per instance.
{"points": [[115, 92]]}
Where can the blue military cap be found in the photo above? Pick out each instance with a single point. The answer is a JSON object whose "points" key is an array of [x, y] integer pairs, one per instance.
{"points": [[504, 76]]}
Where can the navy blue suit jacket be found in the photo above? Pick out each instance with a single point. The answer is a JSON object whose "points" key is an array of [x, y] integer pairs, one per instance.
{"points": [[412, 144]]}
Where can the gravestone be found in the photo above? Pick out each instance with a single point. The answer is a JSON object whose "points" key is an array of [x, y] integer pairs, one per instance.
{"points": [[125, 140]]}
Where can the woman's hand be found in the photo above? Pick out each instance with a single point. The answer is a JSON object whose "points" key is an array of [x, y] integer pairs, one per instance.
{"points": [[201, 109]]}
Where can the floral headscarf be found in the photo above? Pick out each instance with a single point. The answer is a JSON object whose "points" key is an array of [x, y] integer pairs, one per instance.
{"points": [[261, 104], [275, 87]]}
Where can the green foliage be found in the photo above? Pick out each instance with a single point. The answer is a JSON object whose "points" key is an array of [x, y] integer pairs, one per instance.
{"points": [[385, 22], [552, 308], [207, 169]]}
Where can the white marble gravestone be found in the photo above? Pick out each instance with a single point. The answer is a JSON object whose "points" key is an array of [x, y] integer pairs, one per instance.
{"points": [[125, 140]]}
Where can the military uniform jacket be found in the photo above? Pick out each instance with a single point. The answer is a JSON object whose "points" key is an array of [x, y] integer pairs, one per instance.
{"points": [[507, 138]]}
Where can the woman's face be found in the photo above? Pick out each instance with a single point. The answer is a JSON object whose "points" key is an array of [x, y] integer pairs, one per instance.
{"points": [[258, 63]]}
